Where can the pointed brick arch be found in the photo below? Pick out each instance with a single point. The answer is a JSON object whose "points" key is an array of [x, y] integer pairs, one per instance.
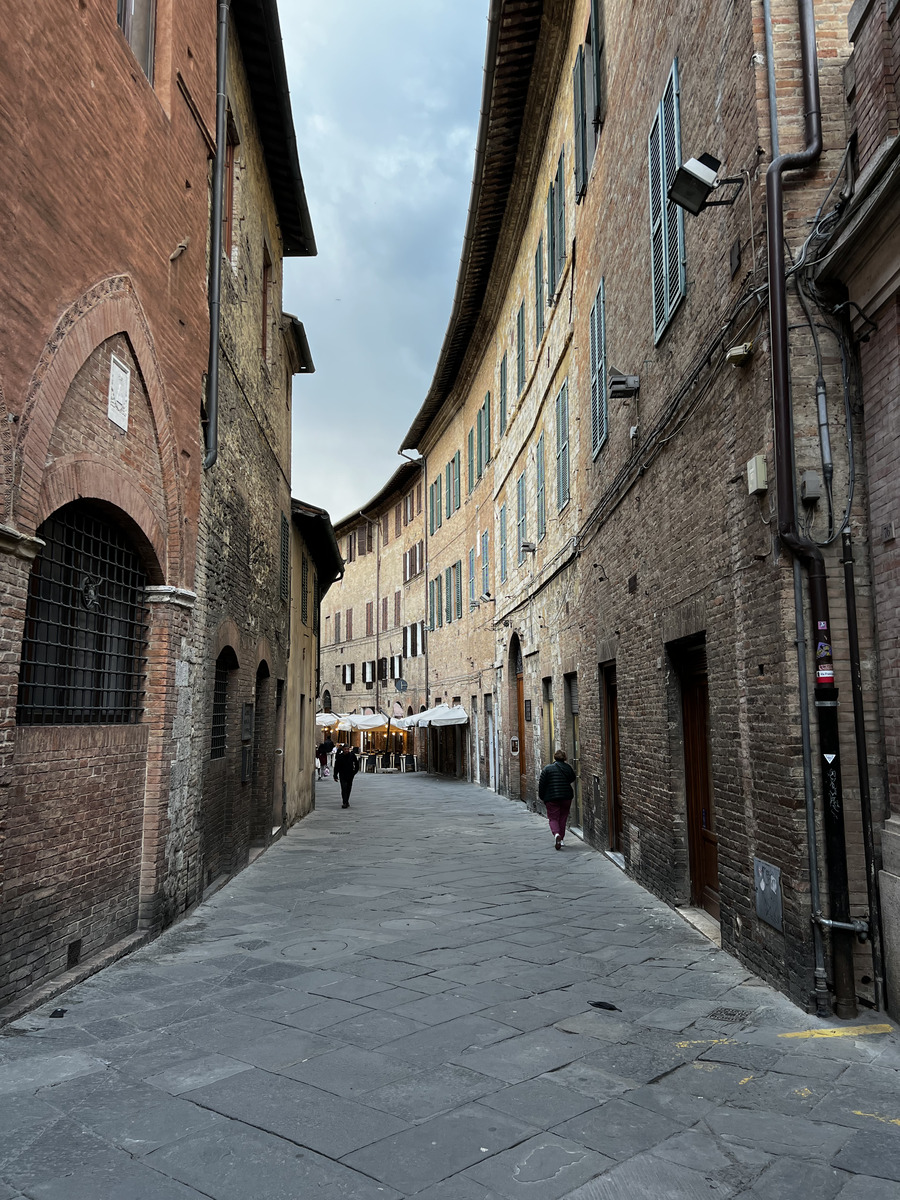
{"points": [[109, 308]]}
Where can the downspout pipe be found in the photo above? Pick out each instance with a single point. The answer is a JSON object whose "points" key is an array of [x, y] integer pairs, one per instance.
{"points": [[211, 431], [803, 548]]}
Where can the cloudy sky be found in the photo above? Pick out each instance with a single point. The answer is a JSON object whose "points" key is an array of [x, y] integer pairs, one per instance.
{"points": [[386, 100]]}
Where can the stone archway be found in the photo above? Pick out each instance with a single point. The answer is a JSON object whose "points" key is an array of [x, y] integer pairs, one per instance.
{"points": [[517, 756]]}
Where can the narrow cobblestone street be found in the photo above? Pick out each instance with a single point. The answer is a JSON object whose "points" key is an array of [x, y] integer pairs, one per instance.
{"points": [[396, 1000]]}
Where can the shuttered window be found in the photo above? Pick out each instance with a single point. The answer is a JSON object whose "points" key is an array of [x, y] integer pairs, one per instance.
{"points": [[666, 218], [431, 611], [471, 460], [562, 447], [580, 132], [370, 618], [521, 530], [396, 609], [449, 489], [348, 624], [385, 529], [503, 394], [439, 600], [479, 444], [456, 481], [503, 543], [398, 519], [599, 406], [304, 590], [285, 575], [520, 349], [541, 491], [448, 593], [485, 574], [539, 291], [551, 242], [458, 587], [559, 193], [472, 575], [337, 628], [486, 426], [384, 613]]}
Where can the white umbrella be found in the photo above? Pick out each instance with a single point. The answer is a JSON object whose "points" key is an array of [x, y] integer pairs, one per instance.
{"points": [[326, 720]]}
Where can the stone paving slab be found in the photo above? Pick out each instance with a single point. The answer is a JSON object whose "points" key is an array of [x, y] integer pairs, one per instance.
{"points": [[404, 1012]]}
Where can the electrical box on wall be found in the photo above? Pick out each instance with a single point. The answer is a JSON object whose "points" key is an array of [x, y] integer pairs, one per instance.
{"points": [[757, 476]]}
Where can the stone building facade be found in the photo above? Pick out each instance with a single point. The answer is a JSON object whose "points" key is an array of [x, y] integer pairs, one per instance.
{"points": [[316, 564], [607, 370], [244, 584], [105, 218], [373, 619]]}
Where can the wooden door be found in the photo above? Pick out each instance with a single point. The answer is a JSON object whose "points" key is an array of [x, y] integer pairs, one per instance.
{"points": [[703, 840], [613, 769]]}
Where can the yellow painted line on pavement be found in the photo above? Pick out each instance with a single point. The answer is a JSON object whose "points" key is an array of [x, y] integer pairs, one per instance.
{"points": [[843, 1031], [747, 1080], [877, 1117]]}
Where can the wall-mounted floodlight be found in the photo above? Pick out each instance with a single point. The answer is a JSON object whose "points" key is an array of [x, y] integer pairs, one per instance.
{"points": [[696, 179], [528, 547], [487, 598]]}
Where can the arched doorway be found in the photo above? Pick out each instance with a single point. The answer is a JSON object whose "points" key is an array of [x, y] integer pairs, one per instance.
{"points": [[517, 768], [326, 701], [82, 739]]}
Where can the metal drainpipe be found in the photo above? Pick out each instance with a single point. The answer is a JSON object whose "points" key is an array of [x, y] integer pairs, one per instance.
{"points": [[211, 433], [865, 795], [823, 1000], [809, 554]]}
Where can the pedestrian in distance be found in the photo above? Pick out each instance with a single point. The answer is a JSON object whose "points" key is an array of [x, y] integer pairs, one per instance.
{"points": [[346, 764], [556, 791]]}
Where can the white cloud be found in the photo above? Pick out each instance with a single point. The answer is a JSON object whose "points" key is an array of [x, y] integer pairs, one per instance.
{"points": [[386, 115]]}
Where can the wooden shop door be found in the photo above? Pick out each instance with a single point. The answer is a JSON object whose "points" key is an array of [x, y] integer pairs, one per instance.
{"points": [[703, 840]]}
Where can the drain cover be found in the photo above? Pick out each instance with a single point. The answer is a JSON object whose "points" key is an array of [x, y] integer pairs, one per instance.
{"points": [[730, 1015]]}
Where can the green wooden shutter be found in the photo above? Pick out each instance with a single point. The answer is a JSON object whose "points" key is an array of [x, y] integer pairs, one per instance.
{"points": [[666, 219], [439, 507], [551, 244], [598, 54], [502, 543], [520, 349], [503, 394], [539, 291], [449, 496], [456, 483], [580, 136], [304, 590], [521, 533], [457, 570], [448, 593], [486, 423], [560, 191], [472, 575], [541, 493], [485, 573], [479, 443], [471, 460], [562, 447], [599, 406]]}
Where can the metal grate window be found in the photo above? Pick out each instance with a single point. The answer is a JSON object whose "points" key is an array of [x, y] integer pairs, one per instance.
{"points": [[220, 707], [85, 625], [285, 558]]}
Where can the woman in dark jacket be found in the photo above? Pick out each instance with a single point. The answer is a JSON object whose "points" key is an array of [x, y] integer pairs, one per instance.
{"points": [[346, 764], [555, 789]]}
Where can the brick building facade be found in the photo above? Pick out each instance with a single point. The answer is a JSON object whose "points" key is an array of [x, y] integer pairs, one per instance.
{"points": [[598, 436], [107, 607]]}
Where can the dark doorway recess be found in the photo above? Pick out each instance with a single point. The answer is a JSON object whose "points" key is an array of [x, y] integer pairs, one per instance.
{"points": [[611, 755], [703, 839]]}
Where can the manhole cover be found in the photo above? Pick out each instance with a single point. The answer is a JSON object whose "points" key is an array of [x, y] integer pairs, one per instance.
{"points": [[312, 949], [730, 1015]]}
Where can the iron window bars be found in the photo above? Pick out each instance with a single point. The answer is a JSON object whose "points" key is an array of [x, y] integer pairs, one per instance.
{"points": [[83, 650]]}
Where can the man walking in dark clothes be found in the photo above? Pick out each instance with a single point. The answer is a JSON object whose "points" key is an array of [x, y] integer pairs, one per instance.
{"points": [[555, 789], [346, 764]]}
